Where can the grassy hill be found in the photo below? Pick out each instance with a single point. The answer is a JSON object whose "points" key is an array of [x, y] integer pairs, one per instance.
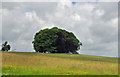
{"points": [[30, 63]]}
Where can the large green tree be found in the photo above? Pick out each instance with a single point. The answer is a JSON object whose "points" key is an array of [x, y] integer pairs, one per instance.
{"points": [[56, 40]]}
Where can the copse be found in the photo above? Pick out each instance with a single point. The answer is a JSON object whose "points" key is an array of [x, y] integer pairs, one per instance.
{"points": [[56, 40]]}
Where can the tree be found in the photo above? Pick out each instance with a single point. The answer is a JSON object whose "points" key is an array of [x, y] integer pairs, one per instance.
{"points": [[56, 40], [5, 47]]}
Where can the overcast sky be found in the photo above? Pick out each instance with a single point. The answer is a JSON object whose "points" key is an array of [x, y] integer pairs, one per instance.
{"points": [[94, 24]]}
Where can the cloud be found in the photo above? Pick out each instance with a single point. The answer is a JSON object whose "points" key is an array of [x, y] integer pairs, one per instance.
{"points": [[61, 0], [0, 23], [95, 25]]}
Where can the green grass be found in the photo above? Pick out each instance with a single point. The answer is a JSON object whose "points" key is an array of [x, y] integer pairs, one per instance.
{"points": [[30, 63]]}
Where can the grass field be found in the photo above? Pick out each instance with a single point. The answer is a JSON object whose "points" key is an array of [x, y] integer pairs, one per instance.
{"points": [[30, 63]]}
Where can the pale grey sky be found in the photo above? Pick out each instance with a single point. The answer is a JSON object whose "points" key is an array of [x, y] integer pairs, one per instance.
{"points": [[94, 24]]}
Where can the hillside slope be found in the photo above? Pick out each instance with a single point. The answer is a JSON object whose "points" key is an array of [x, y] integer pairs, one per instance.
{"points": [[30, 63]]}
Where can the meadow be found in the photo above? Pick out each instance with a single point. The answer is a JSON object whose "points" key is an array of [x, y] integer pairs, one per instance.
{"points": [[31, 63]]}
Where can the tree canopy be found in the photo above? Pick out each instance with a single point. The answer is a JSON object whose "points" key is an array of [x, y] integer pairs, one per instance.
{"points": [[5, 47], [55, 40]]}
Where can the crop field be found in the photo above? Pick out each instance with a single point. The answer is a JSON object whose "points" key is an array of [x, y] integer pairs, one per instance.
{"points": [[31, 63]]}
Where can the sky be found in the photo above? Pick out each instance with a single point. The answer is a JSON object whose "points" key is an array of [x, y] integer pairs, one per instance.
{"points": [[95, 24]]}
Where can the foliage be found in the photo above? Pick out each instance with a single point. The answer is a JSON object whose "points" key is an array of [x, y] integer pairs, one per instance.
{"points": [[5, 47], [55, 40]]}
